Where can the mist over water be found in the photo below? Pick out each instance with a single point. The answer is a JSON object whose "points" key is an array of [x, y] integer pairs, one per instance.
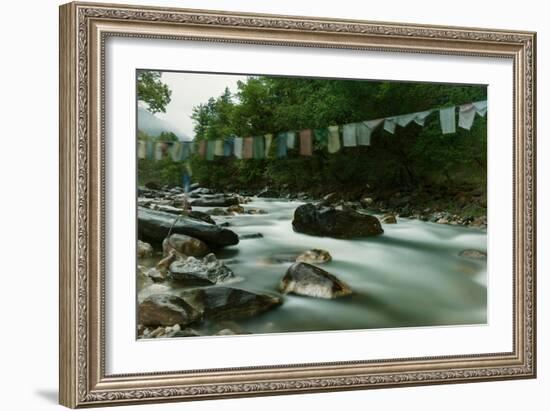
{"points": [[412, 275]]}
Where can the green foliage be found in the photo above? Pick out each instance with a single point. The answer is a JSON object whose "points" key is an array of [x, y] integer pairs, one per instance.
{"points": [[414, 156], [152, 91]]}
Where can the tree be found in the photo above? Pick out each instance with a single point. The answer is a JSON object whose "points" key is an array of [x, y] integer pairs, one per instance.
{"points": [[152, 91]]}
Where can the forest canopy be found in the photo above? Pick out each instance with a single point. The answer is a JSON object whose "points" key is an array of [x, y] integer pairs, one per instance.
{"points": [[412, 157]]}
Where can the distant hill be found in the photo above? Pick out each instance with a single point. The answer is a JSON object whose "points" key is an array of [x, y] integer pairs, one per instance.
{"points": [[153, 126]]}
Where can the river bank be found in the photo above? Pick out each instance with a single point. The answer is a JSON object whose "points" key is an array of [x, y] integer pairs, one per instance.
{"points": [[414, 274]]}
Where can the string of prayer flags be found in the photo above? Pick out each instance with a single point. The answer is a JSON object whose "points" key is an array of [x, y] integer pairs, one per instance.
{"points": [[142, 149], [405, 119], [218, 148], [306, 142], [281, 145], [202, 148], [365, 129], [353, 134], [420, 117], [238, 147], [210, 148], [248, 147], [447, 119], [481, 107], [466, 115], [333, 139], [228, 146], [290, 139], [268, 142], [389, 125], [259, 147], [176, 151], [321, 137], [349, 137]]}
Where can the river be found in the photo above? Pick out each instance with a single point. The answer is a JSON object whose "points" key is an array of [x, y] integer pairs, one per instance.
{"points": [[412, 275]]}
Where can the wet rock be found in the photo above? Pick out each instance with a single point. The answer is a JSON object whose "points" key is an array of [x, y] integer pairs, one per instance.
{"points": [[229, 303], [250, 236], [215, 202], [207, 271], [331, 199], [199, 215], [314, 256], [186, 332], [154, 226], [152, 185], [166, 310], [476, 254], [144, 250], [254, 210], [202, 190], [309, 280], [218, 211], [171, 256], [388, 219], [185, 245], [235, 209], [329, 222], [155, 274], [367, 201], [166, 208]]}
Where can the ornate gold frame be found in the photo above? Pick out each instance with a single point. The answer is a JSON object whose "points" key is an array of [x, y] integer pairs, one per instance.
{"points": [[83, 30]]}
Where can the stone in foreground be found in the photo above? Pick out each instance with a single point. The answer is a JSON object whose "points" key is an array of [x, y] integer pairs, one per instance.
{"points": [[166, 310], [227, 303], [309, 280], [207, 271], [329, 222], [185, 245]]}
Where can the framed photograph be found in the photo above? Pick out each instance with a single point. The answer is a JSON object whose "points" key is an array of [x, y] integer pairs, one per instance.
{"points": [[260, 204]]}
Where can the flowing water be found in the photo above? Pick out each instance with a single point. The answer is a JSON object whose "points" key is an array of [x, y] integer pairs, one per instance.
{"points": [[412, 275]]}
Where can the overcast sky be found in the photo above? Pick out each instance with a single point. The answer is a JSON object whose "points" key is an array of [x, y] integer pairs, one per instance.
{"points": [[189, 90]]}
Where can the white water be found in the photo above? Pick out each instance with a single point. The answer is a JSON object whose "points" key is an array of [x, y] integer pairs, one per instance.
{"points": [[411, 275]]}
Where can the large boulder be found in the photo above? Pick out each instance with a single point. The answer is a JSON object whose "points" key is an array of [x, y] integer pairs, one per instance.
{"points": [[309, 280], [154, 226], [207, 271], [166, 310], [220, 201], [185, 245], [329, 222], [229, 303]]}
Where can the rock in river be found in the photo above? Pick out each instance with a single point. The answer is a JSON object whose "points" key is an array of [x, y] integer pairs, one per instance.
{"points": [[389, 219], [144, 250], [207, 271], [316, 256], [215, 202], [312, 281], [154, 226], [185, 245], [229, 303], [166, 310], [476, 254], [329, 222]]}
